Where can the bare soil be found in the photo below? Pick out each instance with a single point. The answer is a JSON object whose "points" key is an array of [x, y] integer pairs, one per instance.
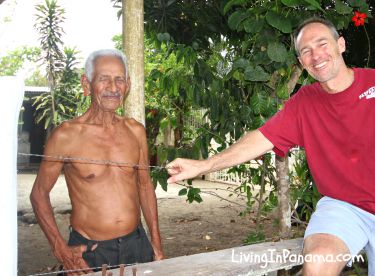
{"points": [[186, 228]]}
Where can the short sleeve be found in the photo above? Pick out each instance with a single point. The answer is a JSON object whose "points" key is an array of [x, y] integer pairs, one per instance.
{"points": [[284, 128]]}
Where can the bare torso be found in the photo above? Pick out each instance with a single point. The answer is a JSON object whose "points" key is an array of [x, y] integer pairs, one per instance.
{"points": [[107, 197], [104, 197]]}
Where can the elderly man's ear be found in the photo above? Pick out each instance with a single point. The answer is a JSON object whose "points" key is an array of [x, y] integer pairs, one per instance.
{"points": [[85, 85], [128, 84]]}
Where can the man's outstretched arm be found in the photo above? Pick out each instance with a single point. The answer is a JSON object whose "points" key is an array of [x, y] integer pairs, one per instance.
{"points": [[250, 146]]}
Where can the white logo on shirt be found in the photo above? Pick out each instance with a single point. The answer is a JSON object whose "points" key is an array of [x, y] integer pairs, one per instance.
{"points": [[370, 93]]}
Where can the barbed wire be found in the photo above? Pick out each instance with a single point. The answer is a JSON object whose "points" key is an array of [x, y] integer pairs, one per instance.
{"points": [[91, 161], [83, 269], [88, 161]]}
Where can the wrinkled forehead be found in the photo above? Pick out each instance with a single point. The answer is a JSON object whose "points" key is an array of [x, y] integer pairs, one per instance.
{"points": [[109, 64], [313, 32]]}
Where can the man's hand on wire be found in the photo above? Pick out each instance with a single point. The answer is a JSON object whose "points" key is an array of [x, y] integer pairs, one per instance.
{"points": [[181, 169]]}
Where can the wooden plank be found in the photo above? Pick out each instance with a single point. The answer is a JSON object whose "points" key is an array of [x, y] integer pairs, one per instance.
{"points": [[249, 260]]}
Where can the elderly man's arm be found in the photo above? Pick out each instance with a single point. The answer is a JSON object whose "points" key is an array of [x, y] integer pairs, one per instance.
{"points": [[50, 169], [147, 196]]}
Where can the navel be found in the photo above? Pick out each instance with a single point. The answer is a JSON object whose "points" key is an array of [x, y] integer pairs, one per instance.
{"points": [[90, 176]]}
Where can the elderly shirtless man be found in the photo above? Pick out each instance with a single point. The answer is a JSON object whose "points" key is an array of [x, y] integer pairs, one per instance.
{"points": [[106, 198]]}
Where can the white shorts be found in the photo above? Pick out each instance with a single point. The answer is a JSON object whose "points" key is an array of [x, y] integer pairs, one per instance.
{"points": [[354, 226]]}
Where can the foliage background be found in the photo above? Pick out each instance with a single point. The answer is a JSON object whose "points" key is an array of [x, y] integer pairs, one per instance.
{"points": [[234, 59]]}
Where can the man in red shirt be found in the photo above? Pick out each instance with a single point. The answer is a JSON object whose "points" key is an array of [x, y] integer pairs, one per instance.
{"points": [[333, 120]]}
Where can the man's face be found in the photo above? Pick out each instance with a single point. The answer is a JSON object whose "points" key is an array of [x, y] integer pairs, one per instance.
{"points": [[109, 84], [320, 53]]}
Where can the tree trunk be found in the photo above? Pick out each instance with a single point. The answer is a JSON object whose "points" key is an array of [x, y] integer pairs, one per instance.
{"points": [[282, 170], [283, 195], [178, 132], [133, 33]]}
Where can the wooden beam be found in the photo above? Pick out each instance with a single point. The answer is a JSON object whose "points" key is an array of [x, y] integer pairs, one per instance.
{"points": [[255, 259]]}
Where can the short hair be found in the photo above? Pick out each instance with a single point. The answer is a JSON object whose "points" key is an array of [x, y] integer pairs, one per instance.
{"points": [[312, 20], [90, 61]]}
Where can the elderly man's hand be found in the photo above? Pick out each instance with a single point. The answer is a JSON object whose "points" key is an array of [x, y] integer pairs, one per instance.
{"points": [[158, 255], [71, 258]]}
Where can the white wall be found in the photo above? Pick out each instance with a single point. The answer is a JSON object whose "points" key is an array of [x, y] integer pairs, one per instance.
{"points": [[11, 91]]}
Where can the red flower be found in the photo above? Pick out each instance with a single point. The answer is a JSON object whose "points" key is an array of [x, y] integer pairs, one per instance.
{"points": [[359, 18], [153, 112]]}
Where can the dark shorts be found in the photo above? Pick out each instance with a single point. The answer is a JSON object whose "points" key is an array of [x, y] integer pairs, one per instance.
{"points": [[129, 249]]}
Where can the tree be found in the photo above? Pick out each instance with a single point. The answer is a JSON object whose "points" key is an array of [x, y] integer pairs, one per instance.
{"points": [[14, 60], [48, 23], [242, 57], [68, 99], [243, 67]]}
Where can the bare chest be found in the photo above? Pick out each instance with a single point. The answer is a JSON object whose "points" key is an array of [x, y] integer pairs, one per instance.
{"points": [[101, 156]]}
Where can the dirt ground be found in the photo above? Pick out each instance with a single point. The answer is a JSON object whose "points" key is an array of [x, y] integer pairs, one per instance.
{"points": [[185, 228]]}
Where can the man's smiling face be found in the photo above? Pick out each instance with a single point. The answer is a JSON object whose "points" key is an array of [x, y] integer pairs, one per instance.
{"points": [[109, 84], [319, 52]]}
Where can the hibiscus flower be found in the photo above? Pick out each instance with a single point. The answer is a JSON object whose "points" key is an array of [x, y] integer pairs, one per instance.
{"points": [[359, 18]]}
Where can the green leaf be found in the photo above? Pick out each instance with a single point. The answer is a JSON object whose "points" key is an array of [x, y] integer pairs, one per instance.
{"points": [[277, 52], [232, 3], [214, 108], [315, 5], [175, 86], [341, 8], [245, 113], [163, 37], [163, 183], [292, 3], [253, 25], [282, 92], [236, 18], [216, 85], [359, 4], [62, 107], [182, 192], [162, 154], [55, 114], [47, 122], [172, 153], [265, 102], [195, 45], [291, 58], [164, 123], [255, 103], [204, 146], [258, 121], [256, 74], [193, 195], [240, 63], [279, 22], [197, 95]]}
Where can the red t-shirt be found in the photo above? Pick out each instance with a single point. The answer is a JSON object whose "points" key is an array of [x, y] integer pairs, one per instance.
{"points": [[338, 134]]}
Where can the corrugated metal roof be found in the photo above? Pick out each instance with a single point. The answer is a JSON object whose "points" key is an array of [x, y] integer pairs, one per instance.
{"points": [[36, 89]]}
